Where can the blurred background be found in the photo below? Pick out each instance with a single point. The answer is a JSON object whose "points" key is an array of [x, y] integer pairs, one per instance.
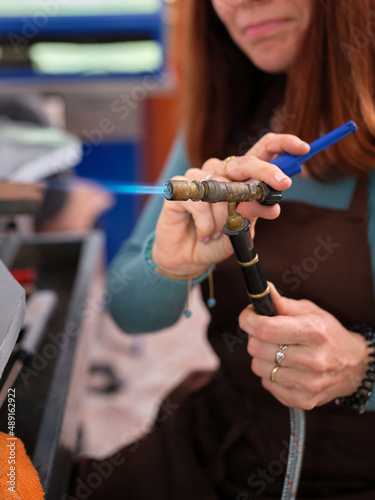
{"points": [[90, 93], [108, 72]]}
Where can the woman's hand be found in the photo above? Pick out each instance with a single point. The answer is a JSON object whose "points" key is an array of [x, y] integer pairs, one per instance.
{"points": [[189, 234], [323, 360]]}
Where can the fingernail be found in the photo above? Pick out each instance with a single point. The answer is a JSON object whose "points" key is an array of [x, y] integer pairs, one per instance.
{"points": [[206, 240], [299, 142], [279, 176], [216, 236], [273, 289]]}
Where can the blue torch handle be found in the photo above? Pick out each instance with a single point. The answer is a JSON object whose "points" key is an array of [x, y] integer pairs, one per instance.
{"points": [[291, 165]]}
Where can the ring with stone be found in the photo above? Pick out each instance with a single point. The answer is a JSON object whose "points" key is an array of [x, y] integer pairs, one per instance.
{"points": [[280, 355]]}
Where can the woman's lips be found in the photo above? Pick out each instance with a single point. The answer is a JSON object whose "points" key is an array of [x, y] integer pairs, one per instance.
{"points": [[264, 28]]}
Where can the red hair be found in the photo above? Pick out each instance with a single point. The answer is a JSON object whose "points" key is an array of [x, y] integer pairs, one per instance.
{"points": [[228, 100]]}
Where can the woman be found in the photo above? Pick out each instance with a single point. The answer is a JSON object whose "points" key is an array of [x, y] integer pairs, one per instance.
{"points": [[296, 68]]}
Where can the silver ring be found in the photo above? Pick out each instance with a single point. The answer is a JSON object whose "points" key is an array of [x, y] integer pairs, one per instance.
{"points": [[279, 357]]}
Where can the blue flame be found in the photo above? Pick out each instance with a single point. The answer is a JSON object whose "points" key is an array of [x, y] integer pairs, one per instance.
{"points": [[120, 188], [116, 187]]}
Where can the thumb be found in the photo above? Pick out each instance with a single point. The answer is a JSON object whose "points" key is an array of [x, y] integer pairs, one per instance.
{"points": [[278, 301], [289, 307]]}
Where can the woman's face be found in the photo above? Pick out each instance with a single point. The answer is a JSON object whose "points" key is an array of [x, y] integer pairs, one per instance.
{"points": [[269, 32]]}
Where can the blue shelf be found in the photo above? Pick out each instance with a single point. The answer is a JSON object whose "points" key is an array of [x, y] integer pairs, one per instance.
{"points": [[22, 32], [29, 75], [132, 24]]}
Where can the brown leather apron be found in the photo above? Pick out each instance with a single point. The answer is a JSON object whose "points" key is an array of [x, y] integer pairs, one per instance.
{"points": [[229, 439]]}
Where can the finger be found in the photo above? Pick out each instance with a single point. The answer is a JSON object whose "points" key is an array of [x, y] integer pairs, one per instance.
{"points": [[198, 174], [211, 167], [244, 168], [209, 219], [291, 307], [203, 218], [267, 352], [253, 210], [263, 369], [261, 350], [288, 396], [218, 211], [279, 329], [186, 212], [240, 168], [290, 378], [294, 356], [273, 144]]}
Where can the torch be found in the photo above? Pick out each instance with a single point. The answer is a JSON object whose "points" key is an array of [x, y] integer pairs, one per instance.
{"points": [[237, 227]]}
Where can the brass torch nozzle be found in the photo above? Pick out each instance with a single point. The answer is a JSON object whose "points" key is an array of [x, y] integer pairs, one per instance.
{"points": [[213, 191]]}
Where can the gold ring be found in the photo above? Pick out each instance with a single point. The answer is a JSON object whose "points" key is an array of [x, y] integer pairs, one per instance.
{"points": [[273, 372], [225, 163]]}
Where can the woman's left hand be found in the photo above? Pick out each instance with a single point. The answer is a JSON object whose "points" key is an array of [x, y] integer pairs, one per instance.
{"points": [[323, 360]]}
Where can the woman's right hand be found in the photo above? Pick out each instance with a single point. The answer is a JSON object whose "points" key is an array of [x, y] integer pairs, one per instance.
{"points": [[189, 235]]}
